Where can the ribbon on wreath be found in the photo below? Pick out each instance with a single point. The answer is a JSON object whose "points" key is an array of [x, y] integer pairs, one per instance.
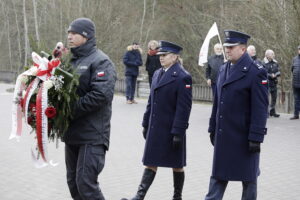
{"points": [[18, 103], [42, 121], [50, 66]]}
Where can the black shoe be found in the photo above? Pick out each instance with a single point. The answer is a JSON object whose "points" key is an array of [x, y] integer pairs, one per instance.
{"points": [[294, 117], [147, 180], [275, 115]]}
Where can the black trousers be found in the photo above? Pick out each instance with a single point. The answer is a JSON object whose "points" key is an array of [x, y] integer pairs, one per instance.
{"points": [[273, 92], [84, 163]]}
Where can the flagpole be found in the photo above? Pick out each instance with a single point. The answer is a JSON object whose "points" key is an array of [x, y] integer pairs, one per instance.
{"points": [[222, 46]]}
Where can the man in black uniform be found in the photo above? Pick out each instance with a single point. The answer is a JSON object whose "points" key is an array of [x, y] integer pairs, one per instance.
{"points": [[273, 70], [252, 53], [87, 137], [213, 64]]}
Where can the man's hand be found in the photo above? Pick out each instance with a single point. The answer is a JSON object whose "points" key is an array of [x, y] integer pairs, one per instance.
{"points": [[145, 130], [177, 142], [254, 147], [212, 138], [208, 82]]}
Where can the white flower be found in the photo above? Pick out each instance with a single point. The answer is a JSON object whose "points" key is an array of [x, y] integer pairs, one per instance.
{"points": [[57, 81], [48, 84]]}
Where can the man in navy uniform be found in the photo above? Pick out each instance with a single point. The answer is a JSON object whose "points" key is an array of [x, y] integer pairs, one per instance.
{"points": [[166, 120], [238, 121]]}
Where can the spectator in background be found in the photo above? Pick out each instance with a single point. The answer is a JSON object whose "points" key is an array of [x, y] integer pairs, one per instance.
{"points": [[152, 62], [273, 70], [213, 65], [132, 60], [252, 53], [296, 84]]}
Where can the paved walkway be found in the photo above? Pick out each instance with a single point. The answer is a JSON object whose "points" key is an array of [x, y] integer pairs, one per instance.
{"points": [[19, 180]]}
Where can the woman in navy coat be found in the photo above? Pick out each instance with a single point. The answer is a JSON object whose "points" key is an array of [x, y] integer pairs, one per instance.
{"points": [[166, 120]]}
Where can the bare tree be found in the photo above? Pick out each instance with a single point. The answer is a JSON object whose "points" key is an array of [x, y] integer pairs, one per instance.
{"points": [[7, 28], [36, 23], [26, 49], [143, 19]]}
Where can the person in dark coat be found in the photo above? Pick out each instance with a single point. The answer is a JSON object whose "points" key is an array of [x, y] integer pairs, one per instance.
{"points": [[296, 84], [273, 70], [238, 121], [132, 60], [152, 61], [87, 138], [213, 65], [166, 120], [252, 53]]}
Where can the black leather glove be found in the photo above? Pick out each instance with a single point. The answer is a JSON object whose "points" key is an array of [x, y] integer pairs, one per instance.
{"points": [[212, 138], [254, 147], [145, 130], [177, 142]]}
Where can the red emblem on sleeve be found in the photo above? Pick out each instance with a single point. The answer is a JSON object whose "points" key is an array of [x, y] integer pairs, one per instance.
{"points": [[100, 74], [264, 82]]}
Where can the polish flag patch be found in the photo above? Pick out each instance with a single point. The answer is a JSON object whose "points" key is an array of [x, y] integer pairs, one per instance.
{"points": [[188, 86], [264, 82], [100, 74]]}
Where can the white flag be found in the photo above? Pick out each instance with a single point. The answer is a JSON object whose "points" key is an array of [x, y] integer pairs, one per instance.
{"points": [[213, 31]]}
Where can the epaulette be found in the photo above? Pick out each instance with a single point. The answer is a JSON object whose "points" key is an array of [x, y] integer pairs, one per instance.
{"points": [[259, 66]]}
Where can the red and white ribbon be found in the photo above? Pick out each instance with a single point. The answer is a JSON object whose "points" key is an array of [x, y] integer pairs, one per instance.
{"points": [[42, 121], [16, 131]]}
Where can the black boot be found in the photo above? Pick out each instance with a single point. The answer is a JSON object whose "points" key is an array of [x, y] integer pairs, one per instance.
{"points": [[147, 180], [178, 178], [273, 113]]}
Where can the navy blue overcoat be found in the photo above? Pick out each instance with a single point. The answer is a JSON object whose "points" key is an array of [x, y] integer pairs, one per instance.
{"points": [[167, 114], [239, 114]]}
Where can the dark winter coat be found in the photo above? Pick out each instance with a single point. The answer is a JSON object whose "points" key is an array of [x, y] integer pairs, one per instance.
{"points": [[257, 61], [296, 71], [152, 64], [272, 67], [239, 114], [132, 60], [213, 65], [167, 114], [92, 112]]}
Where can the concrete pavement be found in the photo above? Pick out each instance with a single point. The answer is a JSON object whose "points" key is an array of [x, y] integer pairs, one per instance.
{"points": [[20, 180]]}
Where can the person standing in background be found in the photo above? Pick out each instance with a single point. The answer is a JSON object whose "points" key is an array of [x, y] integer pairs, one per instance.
{"points": [[252, 53], [214, 63], [273, 70], [152, 62], [132, 60], [296, 84]]}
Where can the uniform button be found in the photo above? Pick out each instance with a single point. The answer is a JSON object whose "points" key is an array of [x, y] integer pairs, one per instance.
{"points": [[222, 102], [153, 115], [221, 116], [152, 126], [154, 103], [220, 130]]}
